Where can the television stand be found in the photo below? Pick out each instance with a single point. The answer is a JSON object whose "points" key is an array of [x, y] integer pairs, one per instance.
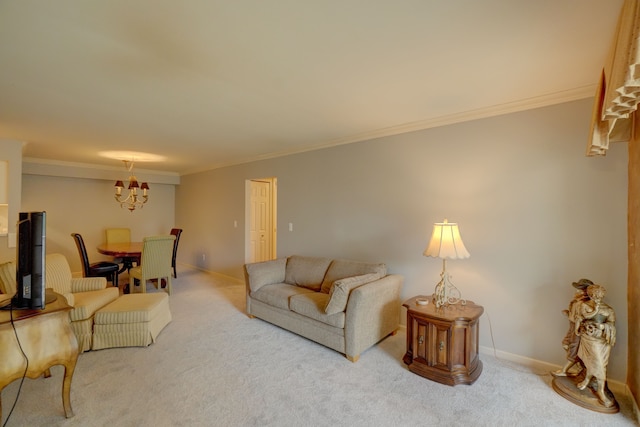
{"points": [[58, 346]]}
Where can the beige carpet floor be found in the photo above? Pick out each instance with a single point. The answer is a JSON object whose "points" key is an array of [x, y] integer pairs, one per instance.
{"points": [[213, 366]]}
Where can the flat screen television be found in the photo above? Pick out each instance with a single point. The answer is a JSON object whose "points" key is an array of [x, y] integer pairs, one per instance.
{"points": [[30, 261]]}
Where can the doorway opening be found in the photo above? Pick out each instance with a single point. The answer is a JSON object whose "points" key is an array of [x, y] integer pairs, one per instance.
{"points": [[260, 219]]}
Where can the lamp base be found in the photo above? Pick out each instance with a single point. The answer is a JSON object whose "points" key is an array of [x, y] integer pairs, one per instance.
{"points": [[446, 293]]}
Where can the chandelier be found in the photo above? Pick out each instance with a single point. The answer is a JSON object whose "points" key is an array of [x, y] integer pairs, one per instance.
{"points": [[133, 200]]}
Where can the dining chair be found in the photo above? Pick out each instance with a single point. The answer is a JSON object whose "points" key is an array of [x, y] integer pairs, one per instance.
{"points": [[155, 263], [118, 235], [97, 269], [175, 232], [121, 235]]}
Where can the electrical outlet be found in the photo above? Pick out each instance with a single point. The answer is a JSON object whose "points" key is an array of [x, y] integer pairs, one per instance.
{"points": [[203, 257]]}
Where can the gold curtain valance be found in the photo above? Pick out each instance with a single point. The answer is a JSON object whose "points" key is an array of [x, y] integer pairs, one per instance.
{"points": [[618, 92]]}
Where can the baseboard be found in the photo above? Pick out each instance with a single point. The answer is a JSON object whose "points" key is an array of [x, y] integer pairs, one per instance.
{"points": [[540, 366], [534, 364], [225, 277], [215, 273]]}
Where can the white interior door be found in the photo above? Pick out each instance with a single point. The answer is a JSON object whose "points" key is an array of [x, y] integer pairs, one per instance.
{"points": [[261, 220]]}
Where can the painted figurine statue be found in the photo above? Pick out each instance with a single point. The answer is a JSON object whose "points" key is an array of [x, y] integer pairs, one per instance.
{"points": [[588, 343], [572, 340]]}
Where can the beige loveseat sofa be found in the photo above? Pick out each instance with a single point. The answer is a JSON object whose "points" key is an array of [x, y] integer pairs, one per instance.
{"points": [[345, 305]]}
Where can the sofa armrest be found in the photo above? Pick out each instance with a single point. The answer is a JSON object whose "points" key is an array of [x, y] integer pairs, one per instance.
{"points": [[258, 274], [85, 284], [373, 312]]}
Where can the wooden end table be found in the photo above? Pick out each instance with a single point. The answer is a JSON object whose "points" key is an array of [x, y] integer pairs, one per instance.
{"points": [[46, 339], [442, 343]]}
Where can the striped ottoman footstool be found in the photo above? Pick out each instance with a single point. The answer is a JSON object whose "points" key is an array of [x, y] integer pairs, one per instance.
{"points": [[133, 320]]}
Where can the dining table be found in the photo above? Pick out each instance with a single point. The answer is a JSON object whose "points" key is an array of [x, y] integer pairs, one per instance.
{"points": [[129, 252]]}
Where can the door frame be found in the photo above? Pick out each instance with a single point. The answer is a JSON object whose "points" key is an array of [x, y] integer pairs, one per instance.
{"points": [[273, 192]]}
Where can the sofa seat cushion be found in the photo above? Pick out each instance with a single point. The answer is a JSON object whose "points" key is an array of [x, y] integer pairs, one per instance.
{"points": [[265, 273], [133, 308], [305, 271], [312, 305], [279, 294], [87, 303], [341, 268]]}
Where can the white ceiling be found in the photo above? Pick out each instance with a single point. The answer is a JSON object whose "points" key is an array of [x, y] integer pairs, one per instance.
{"points": [[209, 83]]}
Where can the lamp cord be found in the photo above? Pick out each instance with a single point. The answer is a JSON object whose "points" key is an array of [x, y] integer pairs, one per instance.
{"points": [[508, 364], [24, 374]]}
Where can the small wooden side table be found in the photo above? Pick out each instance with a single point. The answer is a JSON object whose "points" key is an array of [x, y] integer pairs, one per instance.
{"points": [[442, 343], [46, 339]]}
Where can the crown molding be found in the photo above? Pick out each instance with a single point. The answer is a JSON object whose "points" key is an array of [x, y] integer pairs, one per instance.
{"points": [[35, 166], [575, 94], [481, 113]]}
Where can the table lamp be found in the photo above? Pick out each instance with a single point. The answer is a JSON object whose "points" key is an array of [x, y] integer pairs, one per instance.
{"points": [[446, 243]]}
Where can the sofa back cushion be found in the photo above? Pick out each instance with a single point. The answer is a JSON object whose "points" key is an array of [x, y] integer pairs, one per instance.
{"points": [[58, 273], [342, 268], [312, 305], [263, 273], [305, 271], [341, 288]]}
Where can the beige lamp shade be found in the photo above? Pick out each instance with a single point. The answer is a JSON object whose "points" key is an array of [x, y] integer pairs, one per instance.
{"points": [[446, 242]]}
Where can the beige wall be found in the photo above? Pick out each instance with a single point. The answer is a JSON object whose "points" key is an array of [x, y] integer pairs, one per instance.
{"points": [[633, 374], [11, 152], [534, 213], [86, 206]]}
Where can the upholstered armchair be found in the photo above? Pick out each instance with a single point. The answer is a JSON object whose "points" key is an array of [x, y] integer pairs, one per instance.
{"points": [[85, 294], [8, 278]]}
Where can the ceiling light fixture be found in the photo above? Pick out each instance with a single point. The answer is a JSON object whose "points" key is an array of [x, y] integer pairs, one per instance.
{"points": [[132, 201]]}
